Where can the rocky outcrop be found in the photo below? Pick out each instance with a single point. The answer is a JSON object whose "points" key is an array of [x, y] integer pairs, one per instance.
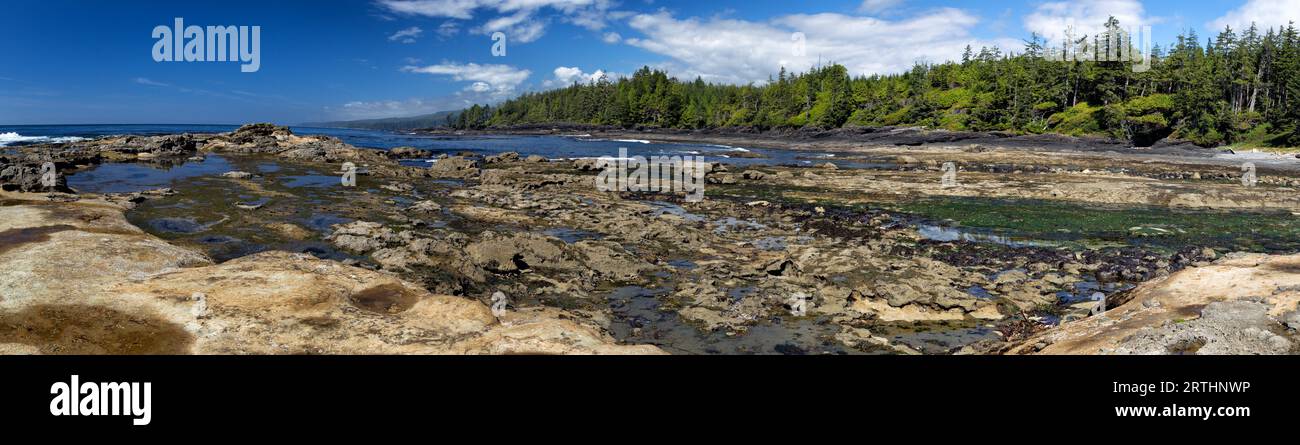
{"points": [[27, 178], [455, 167], [409, 153], [79, 279], [1237, 305], [508, 156]]}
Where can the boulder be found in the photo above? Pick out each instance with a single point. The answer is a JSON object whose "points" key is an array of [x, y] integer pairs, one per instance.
{"points": [[455, 167]]}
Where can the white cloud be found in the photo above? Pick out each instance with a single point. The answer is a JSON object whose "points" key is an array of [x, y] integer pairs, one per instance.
{"points": [[234, 95], [1086, 17], [612, 37], [739, 51], [407, 35], [497, 80], [878, 6], [517, 18], [448, 29], [565, 76], [150, 82], [1265, 13], [520, 26]]}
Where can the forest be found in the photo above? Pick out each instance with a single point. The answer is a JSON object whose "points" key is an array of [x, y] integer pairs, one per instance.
{"points": [[1239, 87]]}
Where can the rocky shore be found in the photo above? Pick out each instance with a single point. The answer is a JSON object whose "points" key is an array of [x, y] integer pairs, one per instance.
{"points": [[274, 256]]}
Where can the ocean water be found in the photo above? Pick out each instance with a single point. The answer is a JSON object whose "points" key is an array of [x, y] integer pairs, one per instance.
{"points": [[551, 147]]}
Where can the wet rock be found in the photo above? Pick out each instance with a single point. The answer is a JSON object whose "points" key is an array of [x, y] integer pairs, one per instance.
{"points": [[829, 166], [425, 207], [409, 153], [147, 147], [237, 175], [586, 164], [398, 187], [259, 134], [721, 178], [27, 178], [508, 156], [291, 231], [608, 261]]}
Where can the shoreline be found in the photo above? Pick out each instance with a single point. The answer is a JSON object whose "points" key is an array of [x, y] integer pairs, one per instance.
{"points": [[630, 270], [912, 141]]}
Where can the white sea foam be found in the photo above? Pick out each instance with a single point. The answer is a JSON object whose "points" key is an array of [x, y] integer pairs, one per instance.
{"points": [[729, 147], [15, 138]]}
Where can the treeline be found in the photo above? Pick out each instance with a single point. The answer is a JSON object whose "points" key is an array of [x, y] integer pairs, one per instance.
{"points": [[1237, 87]]}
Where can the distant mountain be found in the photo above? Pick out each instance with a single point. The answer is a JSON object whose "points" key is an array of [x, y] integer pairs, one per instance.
{"points": [[438, 119]]}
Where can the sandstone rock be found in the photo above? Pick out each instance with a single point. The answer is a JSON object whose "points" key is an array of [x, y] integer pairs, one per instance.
{"points": [[1270, 284], [363, 236], [78, 279], [456, 167], [291, 231], [1224, 328], [508, 156], [516, 252]]}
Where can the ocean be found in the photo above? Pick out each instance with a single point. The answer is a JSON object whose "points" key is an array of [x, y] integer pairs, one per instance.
{"points": [[551, 147]]}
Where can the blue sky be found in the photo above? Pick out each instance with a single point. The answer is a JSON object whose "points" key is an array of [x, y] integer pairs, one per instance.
{"points": [[90, 61]]}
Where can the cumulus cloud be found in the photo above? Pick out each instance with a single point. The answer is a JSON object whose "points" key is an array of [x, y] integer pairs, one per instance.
{"points": [[1265, 13], [498, 80], [520, 19], [740, 51], [1085, 17], [565, 76], [407, 35], [611, 37]]}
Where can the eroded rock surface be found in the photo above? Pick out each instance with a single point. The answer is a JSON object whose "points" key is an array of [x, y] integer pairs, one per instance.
{"points": [[777, 259], [78, 278], [1235, 306]]}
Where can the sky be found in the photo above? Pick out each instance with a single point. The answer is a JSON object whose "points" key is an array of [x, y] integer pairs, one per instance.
{"points": [[84, 62]]}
